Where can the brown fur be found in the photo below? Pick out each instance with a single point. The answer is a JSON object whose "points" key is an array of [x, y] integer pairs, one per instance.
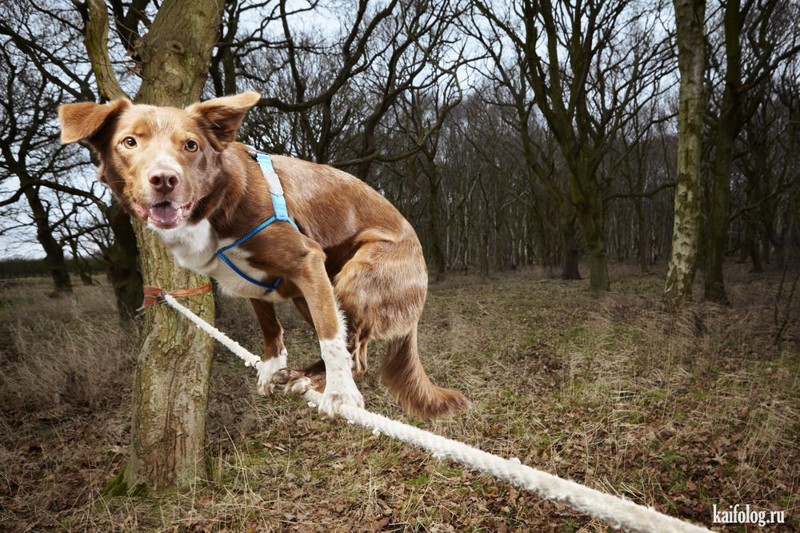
{"points": [[354, 247]]}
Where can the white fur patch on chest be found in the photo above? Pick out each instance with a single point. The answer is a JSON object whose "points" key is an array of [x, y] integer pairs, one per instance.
{"points": [[194, 246]]}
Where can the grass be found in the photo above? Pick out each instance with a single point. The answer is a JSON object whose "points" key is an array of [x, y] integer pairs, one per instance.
{"points": [[611, 393]]}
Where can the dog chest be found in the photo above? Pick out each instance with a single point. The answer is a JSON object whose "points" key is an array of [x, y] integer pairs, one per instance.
{"points": [[194, 247]]}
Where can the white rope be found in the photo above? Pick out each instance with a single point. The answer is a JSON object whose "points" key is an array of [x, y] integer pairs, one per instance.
{"points": [[617, 512]]}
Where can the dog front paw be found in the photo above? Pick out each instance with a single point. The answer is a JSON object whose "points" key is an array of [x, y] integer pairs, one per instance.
{"points": [[336, 396], [268, 371]]}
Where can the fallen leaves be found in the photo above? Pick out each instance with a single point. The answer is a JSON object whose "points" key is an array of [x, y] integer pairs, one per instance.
{"points": [[596, 392]]}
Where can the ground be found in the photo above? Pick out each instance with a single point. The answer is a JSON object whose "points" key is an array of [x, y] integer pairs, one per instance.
{"points": [[676, 413]]}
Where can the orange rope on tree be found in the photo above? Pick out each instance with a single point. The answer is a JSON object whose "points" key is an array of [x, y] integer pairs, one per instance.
{"points": [[155, 295]]}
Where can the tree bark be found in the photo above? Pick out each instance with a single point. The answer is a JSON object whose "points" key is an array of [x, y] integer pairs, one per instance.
{"points": [[690, 18], [96, 42], [175, 53]]}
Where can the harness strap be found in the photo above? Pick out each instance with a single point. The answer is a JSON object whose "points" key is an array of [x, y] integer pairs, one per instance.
{"points": [[274, 184], [281, 214]]}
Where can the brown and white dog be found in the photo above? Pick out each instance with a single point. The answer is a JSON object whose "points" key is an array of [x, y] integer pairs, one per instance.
{"points": [[355, 260]]}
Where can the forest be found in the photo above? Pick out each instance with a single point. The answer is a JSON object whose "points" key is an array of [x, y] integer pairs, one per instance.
{"points": [[509, 135], [626, 169]]}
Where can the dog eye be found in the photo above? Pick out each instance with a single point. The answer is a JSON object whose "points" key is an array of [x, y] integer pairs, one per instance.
{"points": [[129, 142], [191, 146]]}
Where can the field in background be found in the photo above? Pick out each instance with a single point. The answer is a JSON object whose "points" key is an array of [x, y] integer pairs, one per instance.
{"points": [[679, 414]]}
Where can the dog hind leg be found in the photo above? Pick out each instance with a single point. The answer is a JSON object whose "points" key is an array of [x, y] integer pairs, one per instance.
{"points": [[359, 338], [382, 289]]}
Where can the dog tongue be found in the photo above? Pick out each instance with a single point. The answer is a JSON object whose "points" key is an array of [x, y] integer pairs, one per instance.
{"points": [[165, 212]]}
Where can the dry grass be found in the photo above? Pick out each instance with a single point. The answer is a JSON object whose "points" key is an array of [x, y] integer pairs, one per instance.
{"points": [[59, 351], [678, 413]]}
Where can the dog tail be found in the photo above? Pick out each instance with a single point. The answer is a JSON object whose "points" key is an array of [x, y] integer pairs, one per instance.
{"points": [[403, 374]]}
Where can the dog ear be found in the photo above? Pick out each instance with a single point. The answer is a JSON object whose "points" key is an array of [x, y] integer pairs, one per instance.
{"points": [[223, 116], [83, 121]]}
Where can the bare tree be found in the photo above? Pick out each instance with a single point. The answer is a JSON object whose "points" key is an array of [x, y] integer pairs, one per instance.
{"points": [[510, 88], [417, 112], [588, 78], [46, 40], [29, 156], [331, 98], [690, 20], [32, 160], [768, 165], [171, 384], [641, 156], [756, 41]]}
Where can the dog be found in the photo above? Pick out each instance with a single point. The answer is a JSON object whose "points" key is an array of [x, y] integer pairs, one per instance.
{"points": [[350, 262]]}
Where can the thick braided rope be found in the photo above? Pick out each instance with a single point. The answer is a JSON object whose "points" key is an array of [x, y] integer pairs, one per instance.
{"points": [[617, 512]]}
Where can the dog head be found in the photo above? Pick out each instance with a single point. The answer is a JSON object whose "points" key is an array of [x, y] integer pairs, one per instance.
{"points": [[160, 162]]}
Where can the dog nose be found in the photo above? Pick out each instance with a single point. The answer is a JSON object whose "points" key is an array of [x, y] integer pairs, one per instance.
{"points": [[163, 181]]}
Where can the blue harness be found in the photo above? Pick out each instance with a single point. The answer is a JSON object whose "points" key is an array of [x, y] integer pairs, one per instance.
{"points": [[281, 213]]}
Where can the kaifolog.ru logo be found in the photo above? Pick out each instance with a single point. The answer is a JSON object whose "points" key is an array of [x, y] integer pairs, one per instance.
{"points": [[736, 514]]}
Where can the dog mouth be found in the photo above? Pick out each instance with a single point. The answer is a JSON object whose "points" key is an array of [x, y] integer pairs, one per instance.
{"points": [[164, 215]]}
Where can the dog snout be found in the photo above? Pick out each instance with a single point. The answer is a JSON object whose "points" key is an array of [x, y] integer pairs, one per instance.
{"points": [[163, 180]]}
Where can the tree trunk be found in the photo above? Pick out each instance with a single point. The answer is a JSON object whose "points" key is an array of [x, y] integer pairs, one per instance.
{"points": [[643, 248], [170, 393], [591, 216], [435, 228], [176, 51], [728, 127], [753, 248], [81, 265], [690, 16], [590, 211], [572, 251], [714, 279], [123, 263], [171, 383], [54, 254]]}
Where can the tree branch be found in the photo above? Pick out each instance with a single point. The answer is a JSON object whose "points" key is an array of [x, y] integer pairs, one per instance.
{"points": [[96, 42]]}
